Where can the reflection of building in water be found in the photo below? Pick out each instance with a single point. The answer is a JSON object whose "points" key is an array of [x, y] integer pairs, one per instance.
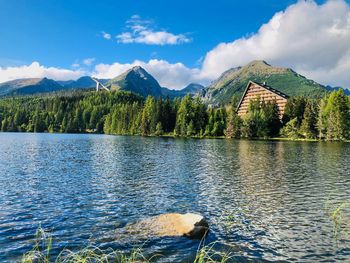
{"points": [[262, 172], [216, 175]]}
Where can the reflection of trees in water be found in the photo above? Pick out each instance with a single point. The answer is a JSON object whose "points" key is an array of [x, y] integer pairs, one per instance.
{"points": [[215, 181], [284, 186]]}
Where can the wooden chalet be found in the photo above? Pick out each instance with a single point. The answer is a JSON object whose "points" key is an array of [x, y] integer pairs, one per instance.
{"points": [[256, 90]]}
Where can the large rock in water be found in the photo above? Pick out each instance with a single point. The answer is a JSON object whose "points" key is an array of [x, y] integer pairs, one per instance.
{"points": [[188, 225]]}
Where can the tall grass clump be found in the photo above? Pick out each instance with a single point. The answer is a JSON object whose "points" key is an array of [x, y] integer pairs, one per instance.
{"points": [[42, 253], [42, 248], [339, 214], [207, 254]]}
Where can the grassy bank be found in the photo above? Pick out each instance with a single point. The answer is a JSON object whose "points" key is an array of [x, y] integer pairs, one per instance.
{"points": [[42, 253]]}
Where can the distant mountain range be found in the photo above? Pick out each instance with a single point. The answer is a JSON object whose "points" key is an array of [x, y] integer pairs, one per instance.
{"points": [[138, 80], [44, 85]]}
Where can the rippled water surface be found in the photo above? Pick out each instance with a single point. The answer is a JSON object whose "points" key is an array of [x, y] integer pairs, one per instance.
{"points": [[265, 201]]}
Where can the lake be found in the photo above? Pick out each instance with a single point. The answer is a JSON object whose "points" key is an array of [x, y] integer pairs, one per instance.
{"points": [[265, 201]]}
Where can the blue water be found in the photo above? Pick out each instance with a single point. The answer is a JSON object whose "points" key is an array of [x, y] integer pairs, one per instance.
{"points": [[265, 201]]}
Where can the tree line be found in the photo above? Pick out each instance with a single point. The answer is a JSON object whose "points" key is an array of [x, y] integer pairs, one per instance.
{"points": [[125, 113]]}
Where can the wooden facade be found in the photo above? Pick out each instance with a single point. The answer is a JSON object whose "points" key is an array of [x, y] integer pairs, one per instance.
{"points": [[265, 93]]}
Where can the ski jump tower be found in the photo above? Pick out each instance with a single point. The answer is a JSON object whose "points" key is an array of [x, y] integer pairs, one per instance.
{"points": [[99, 85]]}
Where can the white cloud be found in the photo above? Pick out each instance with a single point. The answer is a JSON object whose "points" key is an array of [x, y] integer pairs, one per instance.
{"points": [[312, 39], [75, 65], [106, 35], [88, 61], [175, 76], [142, 31], [35, 70]]}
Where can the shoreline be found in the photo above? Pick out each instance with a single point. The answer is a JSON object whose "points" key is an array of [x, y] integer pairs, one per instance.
{"points": [[194, 137]]}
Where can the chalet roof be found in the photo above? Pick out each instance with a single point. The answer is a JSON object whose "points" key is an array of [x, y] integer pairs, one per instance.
{"points": [[277, 92]]}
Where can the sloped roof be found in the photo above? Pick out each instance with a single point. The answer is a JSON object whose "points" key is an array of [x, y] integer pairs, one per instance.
{"points": [[277, 92]]}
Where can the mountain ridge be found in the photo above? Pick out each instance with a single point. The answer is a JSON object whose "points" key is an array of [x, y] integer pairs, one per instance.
{"points": [[28, 86], [136, 80], [234, 81]]}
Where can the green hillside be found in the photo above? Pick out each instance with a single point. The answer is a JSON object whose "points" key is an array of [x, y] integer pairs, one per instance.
{"points": [[234, 82]]}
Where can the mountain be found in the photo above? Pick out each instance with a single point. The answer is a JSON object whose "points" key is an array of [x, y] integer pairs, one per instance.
{"points": [[346, 91], [139, 81], [234, 81], [192, 89], [136, 80], [65, 82], [83, 82], [44, 85], [29, 86]]}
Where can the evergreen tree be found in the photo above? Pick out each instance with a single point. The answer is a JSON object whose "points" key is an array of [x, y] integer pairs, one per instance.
{"points": [[234, 101], [93, 118], [184, 116], [234, 123], [291, 129], [4, 125], [271, 117], [78, 120], [63, 126], [86, 118], [294, 108], [219, 122], [39, 125], [200, 116], [308, 128], [107, 125], [254, 124], [149, 120], [159, 129], [334, 117]]}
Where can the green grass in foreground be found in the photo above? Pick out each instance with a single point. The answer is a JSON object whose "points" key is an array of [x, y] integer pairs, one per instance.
{"points": [[339, 214], [41, 253]]}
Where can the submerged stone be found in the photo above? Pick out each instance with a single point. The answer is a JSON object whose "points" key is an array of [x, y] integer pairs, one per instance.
{"points": [[189, 225]]}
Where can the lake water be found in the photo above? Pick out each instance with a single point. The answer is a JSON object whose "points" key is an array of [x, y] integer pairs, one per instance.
{"points": [[265, 201]]}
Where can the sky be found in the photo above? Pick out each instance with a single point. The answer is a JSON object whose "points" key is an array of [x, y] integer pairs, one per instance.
{"points": [[178, 42]]}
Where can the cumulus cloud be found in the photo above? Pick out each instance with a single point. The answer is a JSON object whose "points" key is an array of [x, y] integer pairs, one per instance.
{"points": [[88, 61], [142, 31], [175, 76], [35, 70], [75, 65], [312, 39], [106, 35]]}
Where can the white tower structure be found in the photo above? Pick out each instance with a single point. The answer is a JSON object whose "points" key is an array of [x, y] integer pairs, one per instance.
{"points": [[99, 85]]}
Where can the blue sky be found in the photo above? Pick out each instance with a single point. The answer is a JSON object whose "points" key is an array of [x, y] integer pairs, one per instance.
{"points": [[65, 34]]}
